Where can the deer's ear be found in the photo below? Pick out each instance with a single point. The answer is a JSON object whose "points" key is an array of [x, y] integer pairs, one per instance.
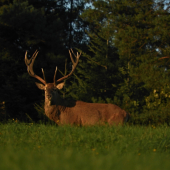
{"points": [[60, 86], [40, 86]]}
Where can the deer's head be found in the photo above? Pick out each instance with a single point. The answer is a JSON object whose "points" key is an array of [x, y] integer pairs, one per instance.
{"points": [[51, 89], [52, 96]]}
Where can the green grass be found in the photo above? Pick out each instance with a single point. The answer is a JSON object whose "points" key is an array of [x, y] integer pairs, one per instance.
{"points": [[35, 146]]}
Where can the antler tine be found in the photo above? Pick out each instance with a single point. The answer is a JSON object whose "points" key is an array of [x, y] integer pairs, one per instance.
{"points": [[55, 76], [74, 65], [77, 57], [71, 55], [43, 74], [29, 63]]}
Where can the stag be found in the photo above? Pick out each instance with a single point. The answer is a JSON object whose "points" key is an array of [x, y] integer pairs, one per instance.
{"points": [[80, 113]]}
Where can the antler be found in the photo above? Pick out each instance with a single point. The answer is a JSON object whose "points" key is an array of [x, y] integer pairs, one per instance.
{"points": [[29, 63], [73, 67]]}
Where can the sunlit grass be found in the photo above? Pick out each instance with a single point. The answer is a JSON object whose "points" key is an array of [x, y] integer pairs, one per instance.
{"points": [[38, 146]]}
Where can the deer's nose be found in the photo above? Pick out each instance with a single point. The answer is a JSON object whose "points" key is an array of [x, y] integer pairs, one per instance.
{"points": [[49, 97]]}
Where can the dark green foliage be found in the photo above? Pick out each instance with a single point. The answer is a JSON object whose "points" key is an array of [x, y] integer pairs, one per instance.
{"points": [[29, 26], [125, 55], [124, 63], [140, 38]]}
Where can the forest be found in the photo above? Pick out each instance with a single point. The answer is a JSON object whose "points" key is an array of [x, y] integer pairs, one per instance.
{"points": [[125, 56]]}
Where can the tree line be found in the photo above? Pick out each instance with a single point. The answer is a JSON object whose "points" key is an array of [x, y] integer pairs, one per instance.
{"points": [[125, 55]]}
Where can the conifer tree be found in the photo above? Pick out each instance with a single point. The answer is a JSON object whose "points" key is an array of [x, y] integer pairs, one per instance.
{"points": [[99, 67], [22, 27], [30, 25], [138, 30], [142, 39]]}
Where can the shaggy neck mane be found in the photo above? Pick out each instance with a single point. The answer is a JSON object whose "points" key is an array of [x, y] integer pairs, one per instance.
{"points": [[53, 111]]}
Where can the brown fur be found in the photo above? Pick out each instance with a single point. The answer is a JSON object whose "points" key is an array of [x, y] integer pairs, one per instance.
{"points": [[77, 112]]}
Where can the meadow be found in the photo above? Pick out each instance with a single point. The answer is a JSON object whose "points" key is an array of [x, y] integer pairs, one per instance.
{"points": [[40, 147]]}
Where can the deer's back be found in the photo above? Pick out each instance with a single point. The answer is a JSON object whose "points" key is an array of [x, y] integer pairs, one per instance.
{"points": [[83, 113]]}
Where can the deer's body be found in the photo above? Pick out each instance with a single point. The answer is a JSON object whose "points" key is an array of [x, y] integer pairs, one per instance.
{"points": [[72, 112], [82, 113]]}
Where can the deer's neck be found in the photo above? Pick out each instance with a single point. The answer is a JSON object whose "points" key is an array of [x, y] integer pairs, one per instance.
{"points": [[53, 112]]}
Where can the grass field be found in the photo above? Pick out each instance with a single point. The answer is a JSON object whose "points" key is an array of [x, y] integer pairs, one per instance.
{"points": [[41, 147]]}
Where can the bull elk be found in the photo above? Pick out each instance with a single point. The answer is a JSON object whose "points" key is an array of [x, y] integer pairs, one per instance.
{"points": [[80, 113]]}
